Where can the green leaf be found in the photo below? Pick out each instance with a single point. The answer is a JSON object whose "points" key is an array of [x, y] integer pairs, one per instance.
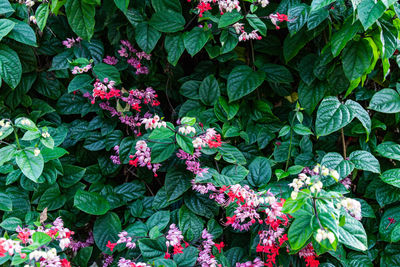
{"points": [[260, 172], [391, 177], [175, 47], [346, 33], [146, 36], [161, 5], [300, 231], [190, 224], [386, 101], [52, 199], [122, 4], [209, 90], [331, 116], [106, 228], [187, 258], [389, 150], [317, 4], [298, 16], [185, 143], [159, 219], [6, 8], [5, 202], [40, 238], [257, 24], [103, 70], [356, 59], [229, 18], [242, 81], [80, 17], [11, 224], [195, 40], [310, 95], [91, 202], [72, 175], [162, 132], [231, 154], [352, 234], [176, 184], [167, 21], [10, 66], [30, 165], [41, 15], [369, 12], [361, 114], [316, 17], [276, 73], [83, 256], [80, 82], [364, 160], [22, 33], [228, 41], [7, 153], [152, 248], [302, 129], [6, 26], [336, 162], [161, 152], [201, 205]]}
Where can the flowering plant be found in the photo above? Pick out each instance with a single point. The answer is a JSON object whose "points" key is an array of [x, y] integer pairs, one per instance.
{"points": [[224, 133]]}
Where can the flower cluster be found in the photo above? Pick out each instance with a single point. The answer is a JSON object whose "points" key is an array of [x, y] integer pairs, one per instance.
{"points": [[133, 57], [185, 130], [206, 259], [210, 139], [115, 158], [76, 245], [257, 262], [44, 255], [128, 263], [352, 206], [174, 239], [192, 161], [309, 255], [275, 18], [105, 90], [78, 70], [110, 60], [153, 123], [324, 234], [70, 42], [125, 239], [142, 157]]}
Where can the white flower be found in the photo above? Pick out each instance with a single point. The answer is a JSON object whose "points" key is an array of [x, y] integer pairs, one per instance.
{"points": [[331, 237], [294, 194], [198, 142], [325, 171], [353, 206], [316, 187], [316, 169], [319, 236], [263, 3], [335, 175], [2, 123], [36, 152], [64, 243], [45, 134], [32, 19], [303, 176], [25, 122]]}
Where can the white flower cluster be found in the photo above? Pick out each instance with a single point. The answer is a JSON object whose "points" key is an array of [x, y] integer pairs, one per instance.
{"points": [[228, 5], [323, 234], [202, 140], [11, 246], [36, 152], [303, 179], [316, 187], [26, 122], [263, 3], [153, 123], [185, 130], [4, 123], [352, 206], [45, 134], [29, 3], [38, 254], [318, 169]]}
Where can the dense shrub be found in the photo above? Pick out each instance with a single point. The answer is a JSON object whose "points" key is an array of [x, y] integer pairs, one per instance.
{"points": [[199, 133]]}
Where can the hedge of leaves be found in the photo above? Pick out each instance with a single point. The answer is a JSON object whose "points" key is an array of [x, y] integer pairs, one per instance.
{"points": [[199, 133]]}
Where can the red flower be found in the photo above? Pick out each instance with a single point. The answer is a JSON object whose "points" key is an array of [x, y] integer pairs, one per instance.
{"points": [[219, 246], [167, 255], [2, 250], [66, 263], [282, 17], [111, 245], [230, 220], [203, 7], [178, 249], [23, 236], [134, 162]]}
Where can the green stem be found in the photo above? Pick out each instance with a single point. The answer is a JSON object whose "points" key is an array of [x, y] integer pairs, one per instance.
{"points": [[290, 144], [16, 138]]}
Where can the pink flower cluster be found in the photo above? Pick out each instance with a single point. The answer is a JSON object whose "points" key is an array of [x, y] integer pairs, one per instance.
{"points": [[275, 18], [133, 57], [309, 255], [71, 41], [206, 259], [223, 5], [142, 157], [78, 70], [124, 238], [115, 158], [257, 262], [128, 263], [76, 245], [174, 239], [110, 60], [192, 162]]}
